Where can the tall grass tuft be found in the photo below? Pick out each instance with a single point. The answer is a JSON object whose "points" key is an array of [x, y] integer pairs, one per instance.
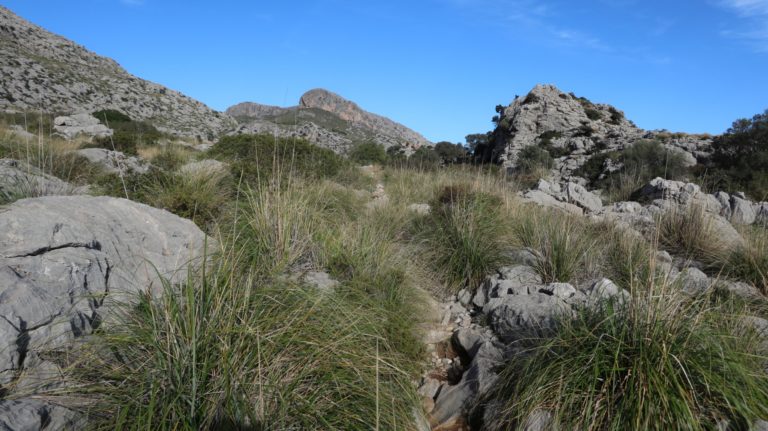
{"points": [[660, 362], [562, 244], [690, 232], [749, 262], [466, 235]]}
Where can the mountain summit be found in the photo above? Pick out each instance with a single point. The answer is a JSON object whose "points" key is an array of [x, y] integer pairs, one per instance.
{"points": [[325, 119], [43, 71]]}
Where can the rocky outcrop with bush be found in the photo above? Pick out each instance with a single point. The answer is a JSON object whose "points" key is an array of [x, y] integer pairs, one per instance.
{"points": [[328, 120], [43, 71]]}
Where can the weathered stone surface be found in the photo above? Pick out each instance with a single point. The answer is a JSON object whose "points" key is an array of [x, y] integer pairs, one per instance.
{"points": [[114, 161], [579, 196], [65, 259], [742, 211], [18, 180], [693, 281], [86, 124], [34, 415], [522, 315], [420, 209], [540, 198]]}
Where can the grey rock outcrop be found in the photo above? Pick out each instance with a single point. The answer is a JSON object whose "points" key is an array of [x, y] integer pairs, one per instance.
{"points": [[42, 71], [568, 196], [114, 161], [64, 261], [19, 180], [86, 124], [325, 119]]}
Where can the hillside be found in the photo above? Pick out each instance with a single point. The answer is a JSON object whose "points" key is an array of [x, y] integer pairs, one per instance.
{"points": [[43, 71], [325, 119]]}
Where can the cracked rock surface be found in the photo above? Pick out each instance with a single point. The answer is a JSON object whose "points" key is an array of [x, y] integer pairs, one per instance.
{"points": [[62, 259]]}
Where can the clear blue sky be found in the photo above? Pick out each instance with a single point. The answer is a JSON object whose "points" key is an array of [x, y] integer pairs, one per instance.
{"points": [[440, 66]]}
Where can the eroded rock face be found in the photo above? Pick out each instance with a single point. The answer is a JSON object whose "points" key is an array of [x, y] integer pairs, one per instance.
{"points": [[63, 261], [40, 70]]}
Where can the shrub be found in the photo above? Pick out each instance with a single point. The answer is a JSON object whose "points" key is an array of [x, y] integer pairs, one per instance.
{"points": [[424, 158], [659, 362], [530, 98], [464, 235], [258, 158], [593, 114], [560, 243], [451, 153], [367, 153], [616, 116], [741, 154], [111, 116], [532, 158], [654, 160]]}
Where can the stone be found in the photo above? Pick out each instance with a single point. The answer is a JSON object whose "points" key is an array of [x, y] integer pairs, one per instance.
{"points": [[28, 414], [420, 209], [742, 211], [19, 180], [579, 196], [516, 316], [66, 260], [86, 124], [320, 280], [560, 290], [693, 281], [430, 388], [606, 290], [468, 341], [543, 199], [114, 162]]}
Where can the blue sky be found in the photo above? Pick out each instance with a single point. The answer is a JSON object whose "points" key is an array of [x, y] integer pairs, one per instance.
{"points": [[440, 66]]}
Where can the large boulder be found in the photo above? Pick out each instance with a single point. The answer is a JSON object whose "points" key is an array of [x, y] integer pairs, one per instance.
{"points": [[64, 260], [73, 125]]}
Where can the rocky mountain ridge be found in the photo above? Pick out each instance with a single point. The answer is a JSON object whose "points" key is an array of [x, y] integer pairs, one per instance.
{"points": [[43, 71], [326, 119], [574, 129]]}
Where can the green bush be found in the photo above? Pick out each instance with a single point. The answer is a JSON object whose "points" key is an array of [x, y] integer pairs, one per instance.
{"points": [[366, 153], [424, 158], [616, 116], [111, 116], [658, 362], [741, 157], [127, 134], [259, 158], [533, 158], [593, 114], [451, 153]]}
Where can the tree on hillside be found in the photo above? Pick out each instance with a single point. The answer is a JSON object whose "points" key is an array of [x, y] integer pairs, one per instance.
{"points": [[451, 153], [740, 158]]}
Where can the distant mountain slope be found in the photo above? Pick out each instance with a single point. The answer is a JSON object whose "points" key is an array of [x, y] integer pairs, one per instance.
{"points": [[325, 119], [42, 71]]}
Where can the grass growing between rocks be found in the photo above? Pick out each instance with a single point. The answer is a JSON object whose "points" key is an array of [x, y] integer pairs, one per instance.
{"points": [[245, 344], [661, 361], [749, 262], [563, 245], [691, 234]]}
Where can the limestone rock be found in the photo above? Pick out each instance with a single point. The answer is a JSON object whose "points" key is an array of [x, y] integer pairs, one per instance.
{"points": [[18, 180], [64, 260], [114, 161], [86, 124], [579, 196]]}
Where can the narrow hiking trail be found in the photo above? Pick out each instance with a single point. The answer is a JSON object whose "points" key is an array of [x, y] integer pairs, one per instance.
{"points": [[442, 317]]}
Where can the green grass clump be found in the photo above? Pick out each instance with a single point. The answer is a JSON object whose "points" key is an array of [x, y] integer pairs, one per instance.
{"points": [[691, 233], [465, 235], [630, 260], [661, 362], [749, 262], [562, 244]]}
